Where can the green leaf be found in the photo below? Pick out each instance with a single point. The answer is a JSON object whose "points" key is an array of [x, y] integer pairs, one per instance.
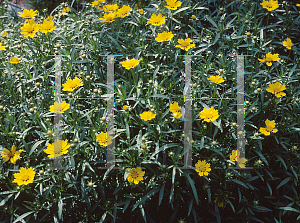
{"points": [[143, 212], [173, 174], [147, 196], [35, 146], [270, 189], [103, 217], [180, 10], [23, 216], [161, 194], [126, 204], [261, 209], [284, 182], [5, 199], [212, 22], [282, 161], [289, 209], [193, 186], [240, 183]]}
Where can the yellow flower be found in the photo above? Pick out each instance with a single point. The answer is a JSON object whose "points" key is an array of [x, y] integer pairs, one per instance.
{"points": [[185, 44], [288, 43], [235, 156], [124, 11], [298, 5], [71, 85], [57, 148], [28, 14], [108, 17], [157, 20], [164, 36], [174, 107], [270, 128], [202, 168], [59, 107], [2, 47], [141, 11], [47, 26], [65, 10], [194, 17], [173, 4], [209, 114], [128, 64], [13, 155], [14, 60], [135, 175], [104, 139], [97, 2], [25, 176], [177, 115], [276, 89], [270, 5], [125, 107], [216, 79], [110, 8], [30, 28], [146, 116], [269, 58], [4, 34]]}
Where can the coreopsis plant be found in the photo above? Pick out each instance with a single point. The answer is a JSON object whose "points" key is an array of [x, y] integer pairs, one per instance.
{"points": [[59, 107], [2, 47], [125, 107], [270, 5], [147, 116], [110, 8], [25, 176], [216, 79], [72, 85], [202, 168], [209, 114], [269, 58], [185, 44], [28, 14], [58, 148], [12, 155], [47, 26], [288, 43], [109, 17], [135, 175], [236, 157], [104, 139], [173, 4], [30, 28], [65, 10], [129, 64], [124, 11], [175, 109], [97, 2], [270, 128], [14, 60], [276, 88], [164, 36], [157, 20]]}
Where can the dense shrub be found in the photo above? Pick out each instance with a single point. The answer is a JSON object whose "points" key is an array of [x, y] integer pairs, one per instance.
{"points": [[148, 124]]}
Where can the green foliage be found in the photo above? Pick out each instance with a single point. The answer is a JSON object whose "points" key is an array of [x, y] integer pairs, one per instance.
{"points": [[86, 192]]}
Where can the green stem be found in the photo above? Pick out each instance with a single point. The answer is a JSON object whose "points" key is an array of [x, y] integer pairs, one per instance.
{"points": [[268, 19]]}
